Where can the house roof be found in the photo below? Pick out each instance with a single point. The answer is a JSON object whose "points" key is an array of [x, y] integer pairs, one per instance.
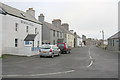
{"points": [[78, 36], [51, 26], [65, 30], [18, 13], [115, 36]]}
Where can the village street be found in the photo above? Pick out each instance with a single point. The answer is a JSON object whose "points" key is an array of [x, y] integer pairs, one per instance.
{"points": [[85, 62]]}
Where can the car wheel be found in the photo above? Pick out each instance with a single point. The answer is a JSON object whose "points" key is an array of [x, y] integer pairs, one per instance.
{"points": [[41, 56], [52, 56], [59, 54]]}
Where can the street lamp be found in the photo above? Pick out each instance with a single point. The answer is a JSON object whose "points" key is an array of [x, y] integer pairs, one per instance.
{"points": [[102, 35]]}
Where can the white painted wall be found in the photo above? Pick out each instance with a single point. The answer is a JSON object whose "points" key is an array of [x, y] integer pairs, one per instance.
{"points": [[0, 34], [9, 35], [79, 42]]}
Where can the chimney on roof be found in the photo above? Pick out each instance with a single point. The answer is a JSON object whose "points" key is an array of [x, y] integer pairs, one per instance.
{"points": [[66, 26], [72, 31], [41, 17], [56, 22], [31, 12]]}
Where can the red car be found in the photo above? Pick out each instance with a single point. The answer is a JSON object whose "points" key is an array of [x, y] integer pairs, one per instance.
{"points": [[64, 48]]}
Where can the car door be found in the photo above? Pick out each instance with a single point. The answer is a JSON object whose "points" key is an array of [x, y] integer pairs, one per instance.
{"points": [[56, 50]]}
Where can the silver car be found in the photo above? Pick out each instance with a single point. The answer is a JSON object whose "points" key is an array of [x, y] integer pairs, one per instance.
{"points": [[49, 50]]}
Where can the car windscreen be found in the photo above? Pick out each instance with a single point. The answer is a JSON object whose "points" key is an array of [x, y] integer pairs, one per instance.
{"points": [[55, 47], [61, 45], [45, 47]]}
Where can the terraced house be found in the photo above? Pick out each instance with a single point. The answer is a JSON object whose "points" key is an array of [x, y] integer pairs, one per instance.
{"points": [[51, 33], [20, 32]]}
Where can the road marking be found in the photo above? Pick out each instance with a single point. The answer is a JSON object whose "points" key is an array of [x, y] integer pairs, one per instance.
{"points": [[91, 62], [39, 74]]}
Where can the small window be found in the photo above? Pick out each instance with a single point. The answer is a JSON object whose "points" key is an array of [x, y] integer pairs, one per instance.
{"points": [[65, 35], [27, 29], [26, 42], [54, 42], [22, 14], [57, 33], [35, 30], [16, 26], [54, 33], [16, 42], [113, 42], [61, 34]]}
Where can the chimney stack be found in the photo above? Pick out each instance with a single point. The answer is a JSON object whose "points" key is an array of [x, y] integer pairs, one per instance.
{"points": [[66, 26], [41, 18], [31, 12], [56, 22]]}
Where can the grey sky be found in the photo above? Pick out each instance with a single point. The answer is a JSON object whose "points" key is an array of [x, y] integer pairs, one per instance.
{"points": [[86, 17]]}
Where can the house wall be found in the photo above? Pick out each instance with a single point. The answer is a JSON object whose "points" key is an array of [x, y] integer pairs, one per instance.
{"points": [[46, 33], [9, 35], [79, 42], [113, 44], [0, 34], [70, 40]]}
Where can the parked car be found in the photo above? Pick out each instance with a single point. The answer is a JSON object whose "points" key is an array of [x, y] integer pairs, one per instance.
{"points": [[49, 50], [64, 47]]}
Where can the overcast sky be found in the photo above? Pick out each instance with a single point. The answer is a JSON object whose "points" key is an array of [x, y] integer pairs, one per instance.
{"points": [[86, 17]]}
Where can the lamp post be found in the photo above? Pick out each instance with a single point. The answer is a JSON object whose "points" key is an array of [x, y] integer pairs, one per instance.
{"points": [[102, 35]]}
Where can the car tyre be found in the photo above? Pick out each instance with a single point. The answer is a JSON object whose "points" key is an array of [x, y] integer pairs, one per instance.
{"points": [[52, 56], [59, 53]]}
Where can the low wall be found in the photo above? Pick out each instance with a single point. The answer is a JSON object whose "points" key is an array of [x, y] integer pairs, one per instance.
{"points": [[25, 51]]}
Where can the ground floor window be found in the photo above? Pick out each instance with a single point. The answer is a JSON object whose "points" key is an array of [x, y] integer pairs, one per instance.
{"points": [[54, 42], [27, 42], [16, 42]]}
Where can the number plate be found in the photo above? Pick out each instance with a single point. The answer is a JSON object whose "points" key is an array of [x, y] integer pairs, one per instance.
{"points": [[44, 52]]}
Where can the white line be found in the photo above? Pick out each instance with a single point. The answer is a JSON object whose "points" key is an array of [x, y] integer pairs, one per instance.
{"points": [[39, 74], [91, 62]]}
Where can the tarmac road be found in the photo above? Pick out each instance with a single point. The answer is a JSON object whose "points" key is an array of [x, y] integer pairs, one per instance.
{"points": [[86, 62]]}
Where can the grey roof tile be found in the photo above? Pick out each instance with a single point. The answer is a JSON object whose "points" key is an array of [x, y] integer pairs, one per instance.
{"points": [[18, 13]]}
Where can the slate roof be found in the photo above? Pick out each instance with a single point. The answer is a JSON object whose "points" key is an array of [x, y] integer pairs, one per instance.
{"points": [[78, 36], [18, 13], [65, 30], [51, 26], [115, 36]]}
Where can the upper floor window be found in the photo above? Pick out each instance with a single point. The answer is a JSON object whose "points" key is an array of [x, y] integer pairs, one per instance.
{"points": [[57, 33], [16, 26], [65, 35], [61, 34], [27, 27], [54, 33], [35, 30]]}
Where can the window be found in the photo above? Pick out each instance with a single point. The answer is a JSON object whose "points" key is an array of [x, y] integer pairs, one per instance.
{"points": [[113, 42], [26, 42], [16, 42], [35, 30], [54, 33], [16, 26], [54, 42], [65, 35], [57, 33], [61, 34], [27, 28]]}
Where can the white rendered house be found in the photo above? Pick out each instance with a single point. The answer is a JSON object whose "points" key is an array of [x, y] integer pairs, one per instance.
{"points": [[20, 32]]}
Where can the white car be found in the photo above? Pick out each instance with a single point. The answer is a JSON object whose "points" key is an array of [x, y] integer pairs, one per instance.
{"points": [[49, 50]]}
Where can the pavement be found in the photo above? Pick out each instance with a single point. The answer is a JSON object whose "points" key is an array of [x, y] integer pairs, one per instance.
{"points": [[85, 62]]}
